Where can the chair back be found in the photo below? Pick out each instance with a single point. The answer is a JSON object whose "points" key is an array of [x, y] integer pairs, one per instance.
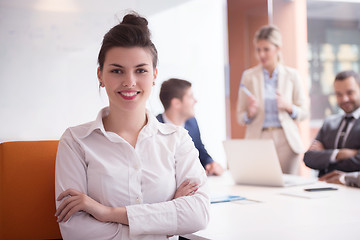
{"points": [[27, 190]]}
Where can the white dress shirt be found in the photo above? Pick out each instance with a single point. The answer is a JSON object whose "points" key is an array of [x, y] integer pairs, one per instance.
{"points": [[144, 179], [352, 179]]}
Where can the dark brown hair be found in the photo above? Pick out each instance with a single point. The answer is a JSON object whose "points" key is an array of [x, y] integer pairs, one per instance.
{"points": [[346, 74], [133, 31], [173, 88]]}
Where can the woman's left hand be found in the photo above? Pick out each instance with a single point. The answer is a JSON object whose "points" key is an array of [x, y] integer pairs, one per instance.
{"points": [[186, 189], [282, 104], [77, 201]]}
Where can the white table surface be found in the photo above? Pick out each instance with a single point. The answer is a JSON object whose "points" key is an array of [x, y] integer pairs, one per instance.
{"points": [[272, 215]]}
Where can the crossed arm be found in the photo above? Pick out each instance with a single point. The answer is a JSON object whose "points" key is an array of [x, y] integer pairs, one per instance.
{"points": [[334, 176], [184, 212], [346, 160], [76, 201], [344, 153]]}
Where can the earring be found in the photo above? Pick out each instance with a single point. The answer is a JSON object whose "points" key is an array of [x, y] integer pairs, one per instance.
{"points": [[153, 83], [101, 84]]}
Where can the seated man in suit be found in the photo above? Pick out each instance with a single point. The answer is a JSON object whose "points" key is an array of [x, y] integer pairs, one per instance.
{"points": [[337, 144], [339, 177], [178, 101]]}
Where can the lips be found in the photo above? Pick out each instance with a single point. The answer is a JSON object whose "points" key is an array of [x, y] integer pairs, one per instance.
{"points": [[129, 95]]}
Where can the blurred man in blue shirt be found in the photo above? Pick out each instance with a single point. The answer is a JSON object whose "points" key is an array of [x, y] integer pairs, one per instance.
{"points": [[178, 100]]}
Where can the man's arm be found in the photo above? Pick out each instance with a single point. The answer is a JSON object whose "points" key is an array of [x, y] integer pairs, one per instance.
{"points": [[211, 167], [350, 161], [321, 150], [193, 129], [339, 177], [318, 157], [322, 155], [214, 169]]}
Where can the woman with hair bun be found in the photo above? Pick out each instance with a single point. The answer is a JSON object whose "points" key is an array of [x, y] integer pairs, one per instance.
{"points": [[126, 175], [271, 99]]}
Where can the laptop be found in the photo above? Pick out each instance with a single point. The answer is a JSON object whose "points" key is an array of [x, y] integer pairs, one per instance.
{"points": [[255, 162]]}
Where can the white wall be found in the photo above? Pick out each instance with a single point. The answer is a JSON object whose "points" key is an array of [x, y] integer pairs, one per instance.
{"points": [[48, 64]]}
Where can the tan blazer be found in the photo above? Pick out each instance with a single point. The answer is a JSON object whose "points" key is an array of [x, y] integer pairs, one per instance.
{"points": [[291, 88]]}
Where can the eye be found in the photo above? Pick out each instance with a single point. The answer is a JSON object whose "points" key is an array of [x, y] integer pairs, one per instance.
{"points": [[350, 93], [141, 70], [116, 71]]}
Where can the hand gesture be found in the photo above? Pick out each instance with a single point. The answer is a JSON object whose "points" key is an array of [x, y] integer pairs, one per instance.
{"points": [[186, 189], [252, 106], [214, 169], [75, 202], [282, 104]]}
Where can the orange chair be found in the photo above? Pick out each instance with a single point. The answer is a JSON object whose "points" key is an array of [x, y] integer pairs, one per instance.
{"points": [[27, 191]]}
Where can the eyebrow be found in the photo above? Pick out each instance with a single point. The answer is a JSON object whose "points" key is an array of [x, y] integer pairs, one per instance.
{"points": [[119, 66]]}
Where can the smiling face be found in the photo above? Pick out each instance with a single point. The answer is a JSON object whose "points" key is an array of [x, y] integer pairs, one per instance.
{"points": [[347, 94], [128, 76], [267, 53]]}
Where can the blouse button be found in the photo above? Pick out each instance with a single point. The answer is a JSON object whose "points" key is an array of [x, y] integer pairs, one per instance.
{"points": [[138, 200]]}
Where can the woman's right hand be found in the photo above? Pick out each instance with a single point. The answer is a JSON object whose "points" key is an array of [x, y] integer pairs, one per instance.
{"points": [[186, 189], [252, 107], [75, 201]]}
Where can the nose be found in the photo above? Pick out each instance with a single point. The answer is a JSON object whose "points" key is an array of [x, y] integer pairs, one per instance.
{"points": [[260, 53], [129, 81], [345, 98]]}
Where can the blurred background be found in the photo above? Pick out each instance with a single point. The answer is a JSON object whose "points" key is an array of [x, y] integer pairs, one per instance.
{"points": [[48, 58]]}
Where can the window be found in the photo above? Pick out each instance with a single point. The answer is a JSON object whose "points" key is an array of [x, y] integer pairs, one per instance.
{"points": [[333, 46]]}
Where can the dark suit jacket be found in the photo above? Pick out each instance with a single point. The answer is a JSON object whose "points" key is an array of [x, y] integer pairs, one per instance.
{"points": [[194, 132], [320, 160]]}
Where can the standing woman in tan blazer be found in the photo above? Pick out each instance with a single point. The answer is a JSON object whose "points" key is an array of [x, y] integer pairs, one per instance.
{"points": [[271, 99]]}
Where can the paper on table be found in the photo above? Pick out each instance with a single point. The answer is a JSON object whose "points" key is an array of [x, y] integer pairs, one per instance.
{"points": [[225, 198], [304, 194]]}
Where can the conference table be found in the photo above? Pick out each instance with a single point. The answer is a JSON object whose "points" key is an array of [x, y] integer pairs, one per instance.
{"points": [[282, 212]]}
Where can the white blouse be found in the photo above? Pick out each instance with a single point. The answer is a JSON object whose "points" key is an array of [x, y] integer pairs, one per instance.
{"points": [[144, 179]]}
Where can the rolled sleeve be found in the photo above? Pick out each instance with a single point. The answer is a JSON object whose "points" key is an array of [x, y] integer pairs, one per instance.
{"points": [[156, 218]]}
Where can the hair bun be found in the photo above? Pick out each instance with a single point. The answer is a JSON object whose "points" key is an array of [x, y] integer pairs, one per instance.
{"points": [[135, 19], [133, 31]]}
